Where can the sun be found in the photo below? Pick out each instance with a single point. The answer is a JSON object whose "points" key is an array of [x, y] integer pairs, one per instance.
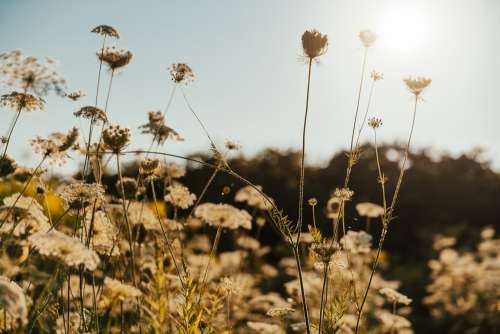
{"points": [[404, 28]]}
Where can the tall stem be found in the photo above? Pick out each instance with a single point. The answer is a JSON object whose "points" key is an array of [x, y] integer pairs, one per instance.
{"points": [[388, 216], [302, 292], [16, 118], [127, 222], [323, 297], [360, 89]]}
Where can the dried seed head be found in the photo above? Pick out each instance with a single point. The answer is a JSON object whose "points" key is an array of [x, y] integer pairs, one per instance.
{"points": [[129, 187], [312, 201], [149, 167], [116, 138], [22, 101], [30, 74], [232, 145], [314, 43], [325, 250], [56, 145], [374, 122], [417, 84], [376, 76], [115, 58], [80, 195], [75, 95], [92, 113], [333, 207], [157, 127], [344, 194], [106, 30], [367, 38], [181, 73]]}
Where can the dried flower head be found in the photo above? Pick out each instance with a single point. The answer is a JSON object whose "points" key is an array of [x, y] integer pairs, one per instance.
{"points": [[344, 194], [115, 58], [416, 85], [30, 74], [367, 38], [116, 138], [115, 291], [181, 73], [265, 328], [173, 171], [13, 300], [22, 101], [376, 76], [314, 43], [78, 195], [180, 196], [224, 215], [253, 198], [149, 167], [92, 113], [106, 30], [75, 95], [158, 128], [395, 297], [7, 165], [56, 145], [374, 122], [357, 242], [325, 250], [65, 249], [129, 185], [104, 233], [232, 145], [370, 210], [312, 201], [22, 215]]}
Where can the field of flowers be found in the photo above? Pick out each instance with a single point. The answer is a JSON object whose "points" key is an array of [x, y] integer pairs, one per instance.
{"points": [[148, 255]]}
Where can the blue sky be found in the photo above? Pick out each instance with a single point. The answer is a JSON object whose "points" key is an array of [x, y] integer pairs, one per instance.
{"points": [[249, 83]]}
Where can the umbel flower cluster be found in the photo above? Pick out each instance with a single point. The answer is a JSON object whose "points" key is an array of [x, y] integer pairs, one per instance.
{"points": [[143, 255]]}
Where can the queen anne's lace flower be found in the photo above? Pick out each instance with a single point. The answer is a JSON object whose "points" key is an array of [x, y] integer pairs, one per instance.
{"points": [[22, 216], [224, 215], [13, 300], [68, 250], [180, 196], [253, 198]]}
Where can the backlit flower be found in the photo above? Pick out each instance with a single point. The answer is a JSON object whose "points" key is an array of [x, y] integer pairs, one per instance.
{"points": [[417, 84], [367, 38], [224, 215], [314, 43]]}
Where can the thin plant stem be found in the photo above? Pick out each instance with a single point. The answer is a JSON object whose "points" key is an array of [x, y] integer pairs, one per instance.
{"points": [[198, 119], [11, 130], [204, 190], [360, 89], [212, 254], [389, 212], [127, 222], [323, 297], [302, 292]]}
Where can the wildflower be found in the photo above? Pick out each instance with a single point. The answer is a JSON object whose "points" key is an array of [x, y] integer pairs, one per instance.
{"points": [[104, 234], [180, 196], [487, 233], [260, 221], [75, 95], [74, 323], [181, 73], [25, 215], [13, 300], [65, 249], [157, 127], [224, 215], [149, 167], [344, 194], [7, 165], [232, 145], [230, 286], [92, 113], [312, 201], [116, 138], [173, 171], [106, 30], [367, 38], [56, 145], [333, 207], [129, 185], [314, 43], [253, 198], [280, 312], [370, 210], [22, 101], [325, 250], [394, 296], [441, 242], [374, 122], [247, 242], [376, 76], [392, 322], [417, 84], [114, 292], [357, 242], [30, 74], [115, 58], [17, 251], [80, 195]]}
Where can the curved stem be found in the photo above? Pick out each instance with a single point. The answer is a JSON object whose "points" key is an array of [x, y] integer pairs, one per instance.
{"points": [[205, 188]]}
